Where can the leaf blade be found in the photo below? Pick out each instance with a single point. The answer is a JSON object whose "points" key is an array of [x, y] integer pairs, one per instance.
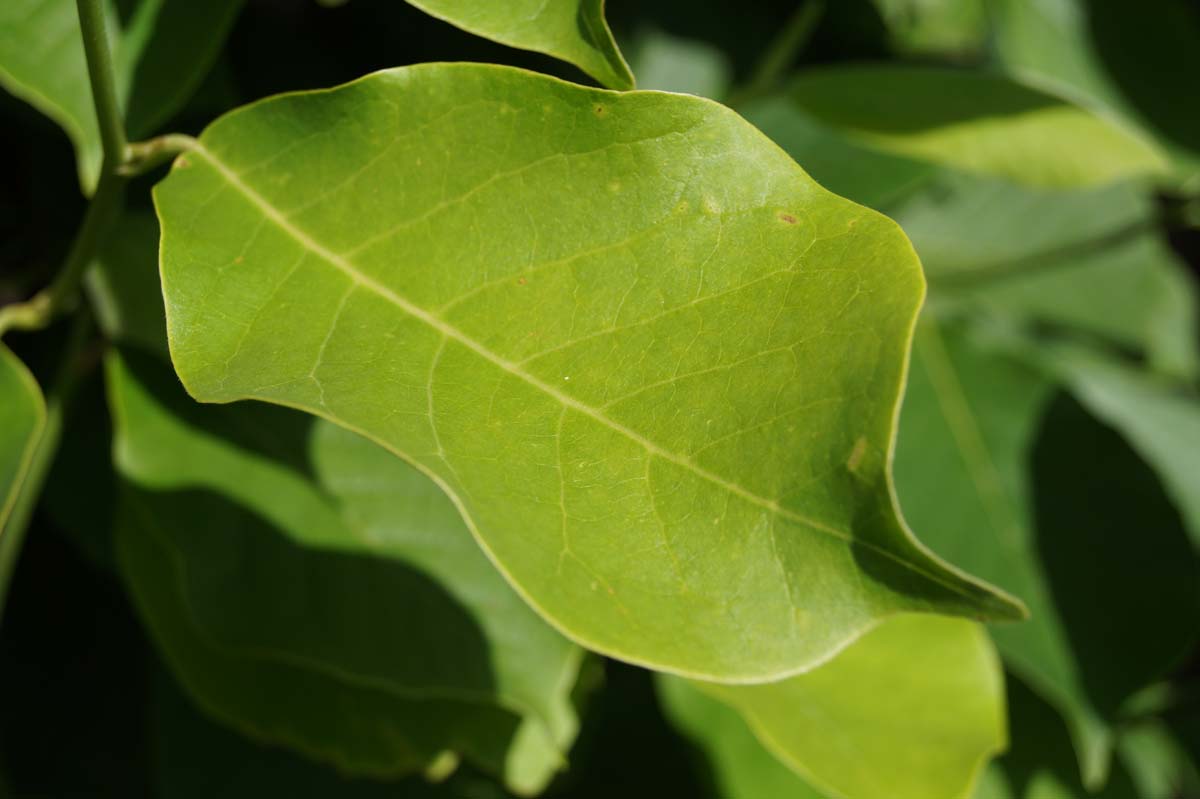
{"points": [[542, 367]]}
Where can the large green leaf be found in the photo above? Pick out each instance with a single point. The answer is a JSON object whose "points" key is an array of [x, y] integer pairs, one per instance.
{"points": [[304, 548], [973, 121], [161, 50], [654, 365], [1059, 511], [572, 30], [913, 710], [1132, 61], [22, 416]]}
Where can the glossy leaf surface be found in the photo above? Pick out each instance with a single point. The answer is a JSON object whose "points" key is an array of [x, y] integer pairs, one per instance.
{"points": [[161, 49], [912, 710], [974, 121], [582, 330], [303, 549], [572, 30]]}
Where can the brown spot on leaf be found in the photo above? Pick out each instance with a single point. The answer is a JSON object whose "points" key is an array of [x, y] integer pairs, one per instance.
{"points": [[791, 220], [521, 281]]}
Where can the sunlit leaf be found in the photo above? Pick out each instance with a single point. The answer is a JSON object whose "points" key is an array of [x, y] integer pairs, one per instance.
{"points": [[161, 50], [1132, 61], [300, 548], [910, 711], [973, 121], [573, 30], [655, 366]]}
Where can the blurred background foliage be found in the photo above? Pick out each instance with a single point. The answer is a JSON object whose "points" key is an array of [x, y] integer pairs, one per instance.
{"points": [[1049, 442]]}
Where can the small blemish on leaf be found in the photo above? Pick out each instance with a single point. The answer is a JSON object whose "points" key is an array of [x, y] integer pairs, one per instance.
{"points": [[182, 162], [521, 281], [600, 111], [791, 220], [614, 186], [711, 206], [857, 454], [238, 260]]}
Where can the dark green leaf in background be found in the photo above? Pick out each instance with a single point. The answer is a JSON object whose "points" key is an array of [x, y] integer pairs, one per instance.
{"points": [[303, 549], [162, 50], [1024, 488]]}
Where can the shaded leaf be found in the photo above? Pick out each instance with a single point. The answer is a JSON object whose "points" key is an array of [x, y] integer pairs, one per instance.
{"points": [[1089, 261], [304, 549], [161, 50], [973, 121], [22, 416], [912, 710], [866, 175], [1158, 419], [1040, 764], [28, 434], [1158, 764], [580, 331], [123, 285], [572, 30], [936, 27], [740, 766], [1019, 484], [672, 64]]}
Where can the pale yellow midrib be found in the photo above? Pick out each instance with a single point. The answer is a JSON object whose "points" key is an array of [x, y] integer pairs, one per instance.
{"points": [[449, 331]]}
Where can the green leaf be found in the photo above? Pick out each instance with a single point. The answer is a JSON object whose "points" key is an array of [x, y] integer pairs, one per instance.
{"points": [[161, 49], [197, 759], [912, 710], [1019, 484], [123, 284], [973, 121], [866, 175], [741, 768], [936, 27], [28, 435], [264, 512], [1158, 764], [1159, 419], [1129, 61], [653, 364], [672, 64], [1040, 763], [572, 30], [1090, 261], [22, 417]]}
